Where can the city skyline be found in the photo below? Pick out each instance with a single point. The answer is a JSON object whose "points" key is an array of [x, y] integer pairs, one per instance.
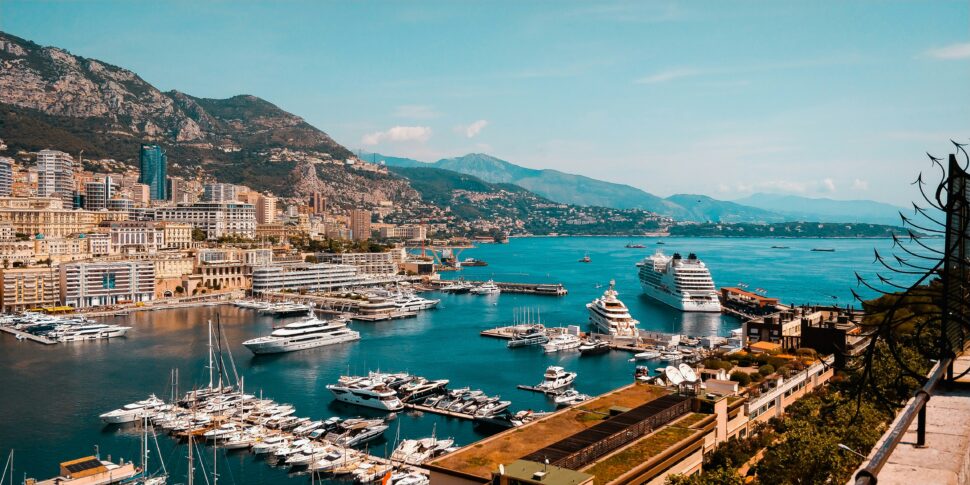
{"points": [[643, 98]]}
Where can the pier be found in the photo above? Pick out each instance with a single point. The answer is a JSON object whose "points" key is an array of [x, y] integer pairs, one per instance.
{"points": [[383, 316], [442, 412], [27, 336], [548, 289], [548, 392]]}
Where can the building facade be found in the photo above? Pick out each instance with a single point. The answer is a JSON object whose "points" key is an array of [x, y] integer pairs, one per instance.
{"points": [[216, 219], [219, 192], [360, 224], [26, 288], [97, 194], [6, 176], [306, 276], [55, 176], [47, 216], [375, 264], [91, 284], [265, 209], [154, 171], [407, 232]]}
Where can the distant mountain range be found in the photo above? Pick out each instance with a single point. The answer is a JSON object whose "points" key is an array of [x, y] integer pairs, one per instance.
{"points": [[581, 190], [825, 210]]}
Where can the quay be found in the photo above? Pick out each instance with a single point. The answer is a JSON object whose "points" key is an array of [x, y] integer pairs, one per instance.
{"points": [[509, 332], [28, 336]]}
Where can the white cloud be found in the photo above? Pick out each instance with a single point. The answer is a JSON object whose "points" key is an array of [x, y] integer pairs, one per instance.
{"points": [[472, 130], [398, 134], [668, 75], [416, 112], [953, 51], [859, 184], [828, 185]]}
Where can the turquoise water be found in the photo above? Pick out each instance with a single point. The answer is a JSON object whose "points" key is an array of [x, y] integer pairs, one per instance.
{"points": [[51, 395]]}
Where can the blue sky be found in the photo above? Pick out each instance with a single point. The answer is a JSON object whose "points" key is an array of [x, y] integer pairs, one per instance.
{"points": [[817, 98]]}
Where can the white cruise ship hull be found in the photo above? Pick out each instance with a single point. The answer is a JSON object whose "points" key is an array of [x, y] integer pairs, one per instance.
{"points": [[277, 346], [681, 303], [350, 397]]}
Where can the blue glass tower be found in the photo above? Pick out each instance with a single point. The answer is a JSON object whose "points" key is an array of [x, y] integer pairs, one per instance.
{"points": [[154, 171]]}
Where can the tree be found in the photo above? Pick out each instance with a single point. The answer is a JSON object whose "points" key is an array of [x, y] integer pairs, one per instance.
{"points": [[766, 370], [717, 476], [179, 289], [741, 378], [807, 455], [198, 234]]}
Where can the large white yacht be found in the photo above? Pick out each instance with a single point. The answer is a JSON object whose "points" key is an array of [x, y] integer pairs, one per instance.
{"points": [[366, 391], [684, 284], [93, 331], [563, 341], [305, 334], [409, 302], [487, 288], [608, 315]]}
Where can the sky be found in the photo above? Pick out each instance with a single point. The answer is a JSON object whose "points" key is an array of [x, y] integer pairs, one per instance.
{"points": [[815, 98]]}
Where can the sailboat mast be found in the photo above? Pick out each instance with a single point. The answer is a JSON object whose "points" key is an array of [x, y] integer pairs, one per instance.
{"points": [[210, 354], [191, 470]]}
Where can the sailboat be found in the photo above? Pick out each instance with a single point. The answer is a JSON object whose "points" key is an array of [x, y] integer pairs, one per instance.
{"points": [[145, 478], [586, 259]]}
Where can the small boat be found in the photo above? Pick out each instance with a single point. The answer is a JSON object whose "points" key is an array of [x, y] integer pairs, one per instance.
{"points": [[487, 288], [647, 355], [779, 247], [594, 347], [660, 243], [671, 356], [563, 341], [473, 262], [556, 378], [570, 397], [268, 445], [586, 259], [824, 250], [635, 246]]}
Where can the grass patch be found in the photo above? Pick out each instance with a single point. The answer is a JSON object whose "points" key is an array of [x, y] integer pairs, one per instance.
{"points": [[609, 469]]}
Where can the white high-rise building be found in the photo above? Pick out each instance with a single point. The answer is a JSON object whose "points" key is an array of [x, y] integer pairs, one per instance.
{"points": [[6, 176], [55, 175], [219, 192]]}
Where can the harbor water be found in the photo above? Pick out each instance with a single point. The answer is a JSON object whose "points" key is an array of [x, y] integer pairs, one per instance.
{"points": [[52, 395]]}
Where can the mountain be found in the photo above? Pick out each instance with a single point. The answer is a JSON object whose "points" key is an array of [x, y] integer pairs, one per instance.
{"points": [[50, 98], [703, 208], [585, 191], [485, 205], [799, 208]]}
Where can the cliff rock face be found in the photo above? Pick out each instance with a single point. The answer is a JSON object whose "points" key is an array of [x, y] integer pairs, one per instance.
{"points": [[51, 98]]}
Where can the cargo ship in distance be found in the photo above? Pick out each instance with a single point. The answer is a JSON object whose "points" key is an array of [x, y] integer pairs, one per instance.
{"points": [[684, 284]]}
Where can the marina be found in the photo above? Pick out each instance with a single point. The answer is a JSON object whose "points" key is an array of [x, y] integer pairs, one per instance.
{"points": [[430, 344]]}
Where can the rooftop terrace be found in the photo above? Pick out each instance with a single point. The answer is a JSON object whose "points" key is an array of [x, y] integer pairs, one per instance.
{"points": [[482, 458]]}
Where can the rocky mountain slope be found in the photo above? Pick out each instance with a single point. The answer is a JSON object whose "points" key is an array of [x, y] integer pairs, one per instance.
{"points": [[51, 98]]}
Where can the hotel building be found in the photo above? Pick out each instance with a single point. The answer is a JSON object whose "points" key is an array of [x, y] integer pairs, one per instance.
{"points": [[306, 276], [55, 175], [216, 219]]}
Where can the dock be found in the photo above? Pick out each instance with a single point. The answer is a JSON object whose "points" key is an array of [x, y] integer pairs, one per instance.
{"points": [[548, 392], [28, 336], [547, 289], [379, 317], [442, 412], [509, 332]]}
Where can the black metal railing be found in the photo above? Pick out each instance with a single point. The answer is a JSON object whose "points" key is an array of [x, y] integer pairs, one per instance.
{"points": [[914, 409]]}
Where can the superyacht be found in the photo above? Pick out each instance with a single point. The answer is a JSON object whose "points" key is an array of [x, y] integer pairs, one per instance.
{"points": [[366, 391], [684, 284], [608, 315], [305, 334]]}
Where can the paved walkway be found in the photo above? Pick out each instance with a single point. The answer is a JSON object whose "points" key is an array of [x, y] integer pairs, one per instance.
{"points": [[946, 458]]}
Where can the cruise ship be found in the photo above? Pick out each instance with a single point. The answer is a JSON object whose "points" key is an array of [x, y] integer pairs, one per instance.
{"points": [[305, 334], [608, 315], [684, 284]]}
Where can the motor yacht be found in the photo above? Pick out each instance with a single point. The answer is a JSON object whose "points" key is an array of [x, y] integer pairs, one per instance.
{"points": [[556, 378], [563, 341], [305, 334], [487, 288]]}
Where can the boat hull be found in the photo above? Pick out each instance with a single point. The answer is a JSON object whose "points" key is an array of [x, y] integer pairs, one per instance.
{"points": [[681, 303], [283, 345]]}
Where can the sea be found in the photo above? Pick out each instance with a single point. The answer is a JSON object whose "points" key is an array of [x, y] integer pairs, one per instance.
{"points": [[51, 396]]}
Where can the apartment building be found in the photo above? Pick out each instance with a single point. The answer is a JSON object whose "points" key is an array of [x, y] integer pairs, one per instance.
{"points": [[55, 175], [26, 288], [306, 276], [91, 284]]}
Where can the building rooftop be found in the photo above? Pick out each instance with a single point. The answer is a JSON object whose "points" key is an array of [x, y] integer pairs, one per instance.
{"points": [[482, 458], [525, 471]]}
